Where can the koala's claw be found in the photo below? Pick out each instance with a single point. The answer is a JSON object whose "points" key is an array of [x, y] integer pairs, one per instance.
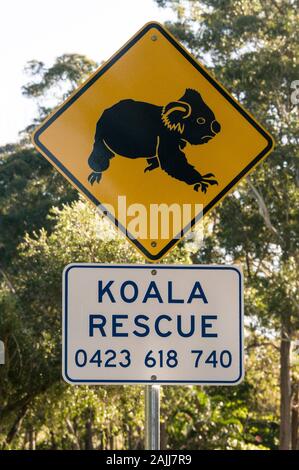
{"points": [[94, 177], [204, 183], [153, 164], [208, 175], [203, 187]]}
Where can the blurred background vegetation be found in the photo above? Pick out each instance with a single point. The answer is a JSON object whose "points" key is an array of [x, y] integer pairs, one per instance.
{"points": [[252, 48]]}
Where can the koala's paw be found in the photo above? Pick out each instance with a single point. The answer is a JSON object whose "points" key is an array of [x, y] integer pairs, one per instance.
{"points": [[204, 183], [153, 163], [94, 177]]}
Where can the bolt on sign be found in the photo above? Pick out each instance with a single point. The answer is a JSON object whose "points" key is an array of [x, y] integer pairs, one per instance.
{"points": [[142, 324], [153, 140]]}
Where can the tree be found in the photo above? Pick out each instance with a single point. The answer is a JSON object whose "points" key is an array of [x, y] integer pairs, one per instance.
{"points": [[29, 185], [31, 320], [39, 411], [252, 48], [51, 85], [52, 227]]}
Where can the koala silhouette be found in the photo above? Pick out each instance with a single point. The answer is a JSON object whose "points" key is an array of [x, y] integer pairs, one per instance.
{"points": [[136, 129]]}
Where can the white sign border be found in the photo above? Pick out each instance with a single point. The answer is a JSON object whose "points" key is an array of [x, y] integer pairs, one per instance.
{"points": [[148, 382]]}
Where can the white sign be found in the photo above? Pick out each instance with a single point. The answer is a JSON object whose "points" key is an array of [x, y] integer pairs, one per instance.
{"points": [[166, 324]]}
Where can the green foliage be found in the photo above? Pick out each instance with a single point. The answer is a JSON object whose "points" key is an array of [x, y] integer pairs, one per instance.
{"points": [[66, 73], [252, 48], [31, 318], [243, 417], [87, 417], [104, 417], [30, 186]]}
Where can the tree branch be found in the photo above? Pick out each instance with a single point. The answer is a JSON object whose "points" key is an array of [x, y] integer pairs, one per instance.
{"points": [[7, 281], [259, 345], [263, 208]]}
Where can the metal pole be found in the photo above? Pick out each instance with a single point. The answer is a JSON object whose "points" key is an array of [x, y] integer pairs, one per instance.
{"points": [[152, 417]]}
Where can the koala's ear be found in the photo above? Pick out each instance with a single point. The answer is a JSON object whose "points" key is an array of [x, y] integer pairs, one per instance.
{"points": [[174, 113]]}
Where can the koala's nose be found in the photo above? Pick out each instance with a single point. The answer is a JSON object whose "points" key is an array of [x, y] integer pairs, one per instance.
{"points": [[215, 127]]}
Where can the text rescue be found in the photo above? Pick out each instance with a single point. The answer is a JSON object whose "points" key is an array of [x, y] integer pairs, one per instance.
{"points": [[164, 325]]}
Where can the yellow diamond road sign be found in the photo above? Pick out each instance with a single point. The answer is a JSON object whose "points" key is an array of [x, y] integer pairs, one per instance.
{"points": [[153, 140]]}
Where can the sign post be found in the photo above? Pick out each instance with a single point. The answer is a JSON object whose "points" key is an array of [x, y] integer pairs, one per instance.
{"points": [[2, 353], [152, 417], [140, 324], [153, 133]]}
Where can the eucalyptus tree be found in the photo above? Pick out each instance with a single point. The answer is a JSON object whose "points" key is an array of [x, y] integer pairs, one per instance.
{"points": [[252, 48]]}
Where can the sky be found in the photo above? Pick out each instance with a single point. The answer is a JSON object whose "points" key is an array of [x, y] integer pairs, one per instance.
{"points": [[45, 29]]}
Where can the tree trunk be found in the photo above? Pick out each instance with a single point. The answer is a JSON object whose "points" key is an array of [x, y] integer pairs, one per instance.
{"points": [[285, 387], [295, 417], [16, 424], [88, 435], [129, 438], [31, 436], [72, 430], [53, 441], [102, 440], [163, 434], [111, 442]]}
